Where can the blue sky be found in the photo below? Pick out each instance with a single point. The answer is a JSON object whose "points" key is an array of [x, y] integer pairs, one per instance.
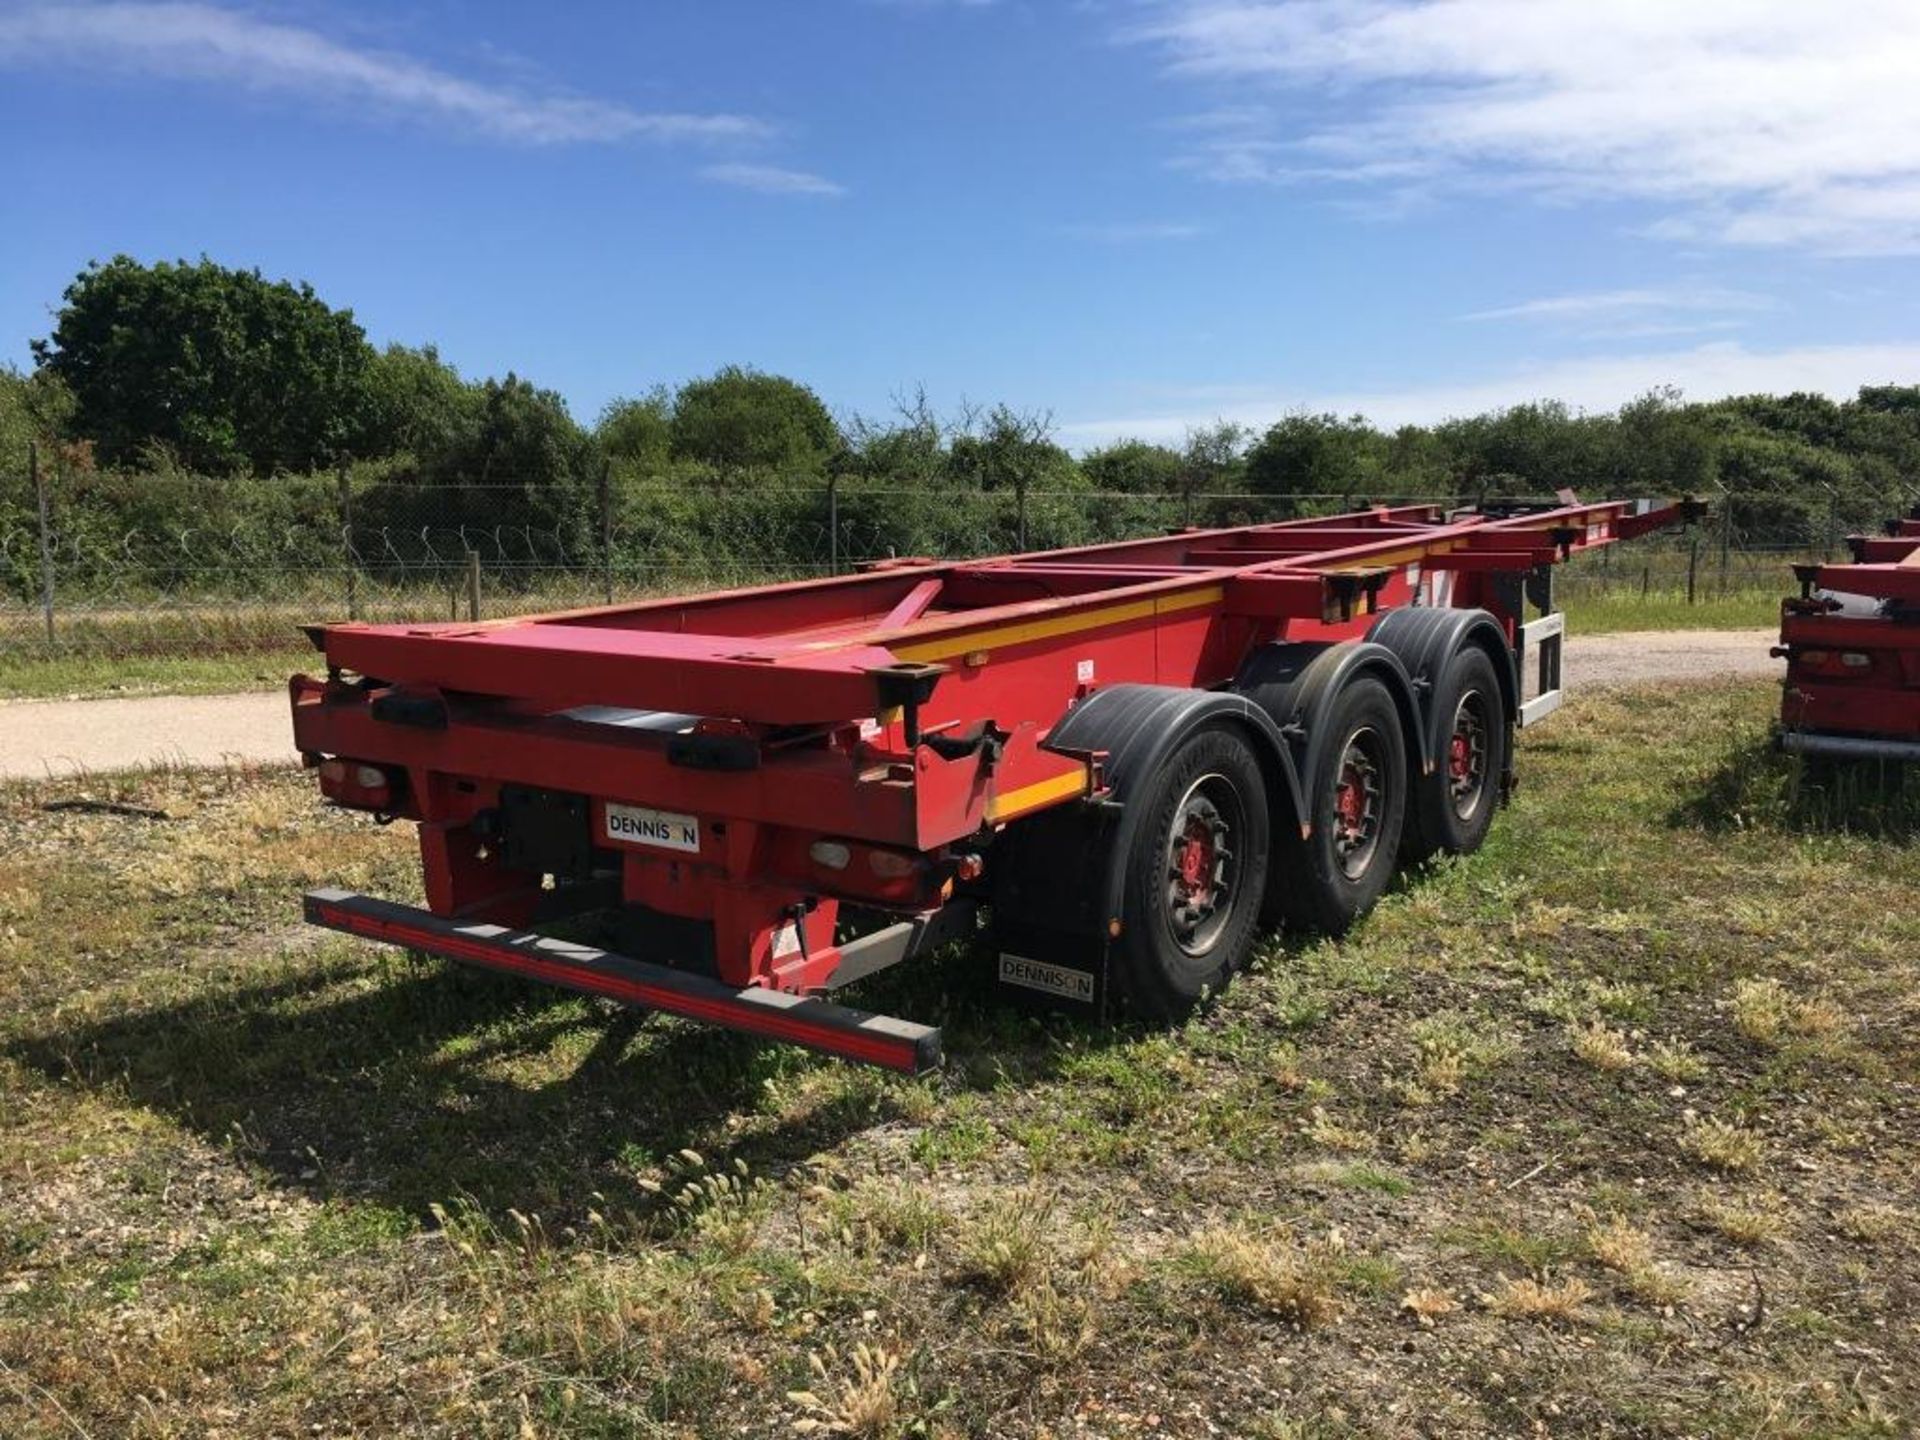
{"points": [[1136, 215]]}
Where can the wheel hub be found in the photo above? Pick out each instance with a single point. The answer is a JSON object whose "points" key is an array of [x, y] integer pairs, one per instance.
{"points": [[1467, 755], [1356, 805], [1200, 864], [1196, 860]]}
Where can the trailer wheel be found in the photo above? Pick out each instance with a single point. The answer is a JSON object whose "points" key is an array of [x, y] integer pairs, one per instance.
{"points": [[1356, 804], [1196, 871], [1453, 807]]}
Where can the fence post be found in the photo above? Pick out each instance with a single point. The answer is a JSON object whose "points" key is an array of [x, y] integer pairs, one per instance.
{"points": [[46, 536], [833, 524], [1646, 580], [1020, 512], [473, 584], [1726, 542], [346, 543], [606, 525], [1693, 567]]}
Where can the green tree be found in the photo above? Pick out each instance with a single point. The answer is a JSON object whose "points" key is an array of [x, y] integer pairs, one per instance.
{"points": [[1134, 467], [1533, 449], [1006, 449], [1213, 459], [1664, 448], [907, 452], [1306, 454], [741, 420], [34, 409], [416, 405], [227, 369], [638, 433], [519, 435]]}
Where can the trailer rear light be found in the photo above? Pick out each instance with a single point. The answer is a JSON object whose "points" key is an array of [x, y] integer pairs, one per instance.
{"points": [[891, 866], [357, 785], [830, 854], [1833, 662], [853, 869]]}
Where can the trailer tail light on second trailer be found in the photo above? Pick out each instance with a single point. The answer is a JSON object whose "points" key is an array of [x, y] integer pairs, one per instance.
{"points": [[1851, 640], [1131, 756]]}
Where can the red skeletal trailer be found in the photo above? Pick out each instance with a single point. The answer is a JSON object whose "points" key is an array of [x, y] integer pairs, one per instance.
{"points": [[1851, 640], [1132, 756]]}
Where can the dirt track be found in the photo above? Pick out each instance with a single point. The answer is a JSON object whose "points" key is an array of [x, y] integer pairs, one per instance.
{"points": [[1634, 657], [58, 737]]}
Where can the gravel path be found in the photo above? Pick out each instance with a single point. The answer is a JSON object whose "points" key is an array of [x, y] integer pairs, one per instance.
{"points": [[1638, 656], [63, 737]]}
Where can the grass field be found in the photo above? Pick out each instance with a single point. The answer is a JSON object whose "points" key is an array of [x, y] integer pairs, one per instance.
{"points": [[1611, 1129], [1605, 614], [30, 677]]}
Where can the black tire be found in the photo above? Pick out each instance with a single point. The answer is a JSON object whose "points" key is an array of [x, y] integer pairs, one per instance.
{"points": [[1333, 877], [1196, 872], [1453, 807]]}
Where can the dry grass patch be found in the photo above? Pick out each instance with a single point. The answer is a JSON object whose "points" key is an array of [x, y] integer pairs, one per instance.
{"points": [[1009, 1246], [1620, 1245], [1601, 1046], [1329, 1133], [1530, 1299], [1295, 1281], [1768, 1013], [1674, 1059], [879, 1214], [1722, 1144], [1627, 1250], [1427, 1305], [1054, 1326], [1753, 1222], [862, 1396], [1451, 1048], [1872, 1222]]}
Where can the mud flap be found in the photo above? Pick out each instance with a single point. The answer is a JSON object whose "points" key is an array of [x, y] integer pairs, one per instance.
{"points": [[1050, 929], [1037, 968]]}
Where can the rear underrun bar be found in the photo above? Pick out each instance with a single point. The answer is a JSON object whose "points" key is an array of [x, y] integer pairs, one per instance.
{"points": [[817, 1024]]}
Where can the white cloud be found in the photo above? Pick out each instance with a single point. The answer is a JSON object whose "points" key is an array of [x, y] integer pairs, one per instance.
{"points": [[772, 180], [208, 43], [1764, 122], [1705, 372], [1622, 305], [1134, 232]]}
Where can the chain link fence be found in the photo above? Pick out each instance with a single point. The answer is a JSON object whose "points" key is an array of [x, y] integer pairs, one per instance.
{"points": [[120, 565]]}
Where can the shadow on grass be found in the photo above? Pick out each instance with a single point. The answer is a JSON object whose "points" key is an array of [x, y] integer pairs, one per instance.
{"points": [[407, 1082], [1759, 787], [398, 1080]]}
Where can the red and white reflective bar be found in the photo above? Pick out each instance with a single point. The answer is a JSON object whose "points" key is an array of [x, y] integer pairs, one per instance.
{"points": [[799, 1020]]}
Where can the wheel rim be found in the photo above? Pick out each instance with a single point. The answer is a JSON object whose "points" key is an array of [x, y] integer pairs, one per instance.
{"points": [[1357, 802], [1467, 755], [1201, 872]]}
